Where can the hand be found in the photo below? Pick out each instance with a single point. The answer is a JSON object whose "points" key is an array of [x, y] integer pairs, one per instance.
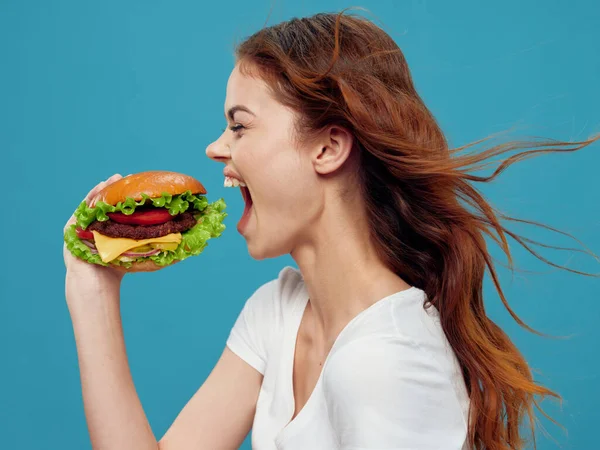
{"points": [[86, 281]]}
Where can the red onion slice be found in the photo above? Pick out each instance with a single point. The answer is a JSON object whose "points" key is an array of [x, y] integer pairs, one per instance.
{"points": [[142, 255], [91, 245]]}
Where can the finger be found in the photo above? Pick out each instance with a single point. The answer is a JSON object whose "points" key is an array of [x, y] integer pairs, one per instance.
{"points": [[115, 177], [90, 196], [95, 190], [101, 186], [90, 199]]}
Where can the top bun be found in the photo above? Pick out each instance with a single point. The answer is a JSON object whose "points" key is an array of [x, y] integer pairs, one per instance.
{"points": [[151, 183]]}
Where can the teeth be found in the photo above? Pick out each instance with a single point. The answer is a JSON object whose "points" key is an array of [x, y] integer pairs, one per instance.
{"points": [[233, 182]]}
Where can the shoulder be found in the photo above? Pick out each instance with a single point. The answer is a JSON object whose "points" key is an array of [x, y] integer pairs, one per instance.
{"points": [[390, 394], [258, 328], [288, 282], [271, 302], [400, 343], [400, 326], [388, 389], [278, 292]]}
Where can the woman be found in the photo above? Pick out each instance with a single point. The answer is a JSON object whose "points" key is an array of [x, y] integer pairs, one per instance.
{"points": [[380, 339]]}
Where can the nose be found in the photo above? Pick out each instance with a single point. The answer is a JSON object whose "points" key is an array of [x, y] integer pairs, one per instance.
{"points": [[219, 150]]}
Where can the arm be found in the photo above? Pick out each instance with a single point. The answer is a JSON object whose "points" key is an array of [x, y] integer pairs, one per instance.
{"points": [[218, 416], [221, 413], [113, 411]]}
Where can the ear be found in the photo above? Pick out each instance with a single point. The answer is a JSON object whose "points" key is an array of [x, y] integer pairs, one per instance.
{"points": [[334, 149]]}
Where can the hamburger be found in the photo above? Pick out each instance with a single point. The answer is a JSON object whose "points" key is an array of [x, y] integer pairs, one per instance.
{"points": [[145, 222]]}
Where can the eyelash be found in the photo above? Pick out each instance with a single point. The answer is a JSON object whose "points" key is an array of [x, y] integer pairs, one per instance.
{"points": [[235, 128]]}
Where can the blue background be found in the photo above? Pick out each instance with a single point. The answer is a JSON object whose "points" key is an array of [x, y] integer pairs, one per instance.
{"points": [[88, 89]]}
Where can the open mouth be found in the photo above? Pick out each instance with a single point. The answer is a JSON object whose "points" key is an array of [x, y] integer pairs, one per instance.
{"points": [[247, 198], [247, 208], [234, 182]]}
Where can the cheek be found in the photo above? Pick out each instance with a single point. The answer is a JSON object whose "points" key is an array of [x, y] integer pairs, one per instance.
{"points": [[291, 205], [284, 186], [287, 184], [288, 204]]}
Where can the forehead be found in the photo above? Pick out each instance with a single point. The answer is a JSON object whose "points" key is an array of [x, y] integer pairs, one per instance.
{"points": [[249, 91]]}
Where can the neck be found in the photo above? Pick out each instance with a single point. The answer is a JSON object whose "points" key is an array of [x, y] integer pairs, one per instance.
{"points": [[342, 272]]}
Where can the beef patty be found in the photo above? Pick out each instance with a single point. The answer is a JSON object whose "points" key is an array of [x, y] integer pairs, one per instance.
{"points": [[180, 223]]}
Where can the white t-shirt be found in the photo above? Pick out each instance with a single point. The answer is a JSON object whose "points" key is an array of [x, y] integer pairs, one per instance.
{"points": [[390, 381]]}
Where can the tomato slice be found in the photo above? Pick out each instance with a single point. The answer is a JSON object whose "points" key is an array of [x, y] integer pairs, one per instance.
{"points": [[148, 217], [84, 234]]}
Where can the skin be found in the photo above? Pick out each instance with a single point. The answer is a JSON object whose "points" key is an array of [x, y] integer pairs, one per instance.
{"points": [[298, 210]]}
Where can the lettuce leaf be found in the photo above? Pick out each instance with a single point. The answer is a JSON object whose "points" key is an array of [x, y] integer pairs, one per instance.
{"points": [[79, 249], [210, 225], [85, 214]]}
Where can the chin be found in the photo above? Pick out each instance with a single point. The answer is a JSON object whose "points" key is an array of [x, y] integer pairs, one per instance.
{"points": [[266, 250]]}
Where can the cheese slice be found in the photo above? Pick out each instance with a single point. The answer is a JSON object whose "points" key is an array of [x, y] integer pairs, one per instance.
{"points": [[110, 248]]}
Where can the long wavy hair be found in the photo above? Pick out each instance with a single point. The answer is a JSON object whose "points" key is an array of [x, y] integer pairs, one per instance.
{"points": [[427, 219]]}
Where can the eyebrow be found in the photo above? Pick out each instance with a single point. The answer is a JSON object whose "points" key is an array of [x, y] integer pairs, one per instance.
{"points": [[237, 108]]}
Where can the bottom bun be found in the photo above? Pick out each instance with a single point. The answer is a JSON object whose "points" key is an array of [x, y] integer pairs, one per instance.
{"points": [[142, 266]]}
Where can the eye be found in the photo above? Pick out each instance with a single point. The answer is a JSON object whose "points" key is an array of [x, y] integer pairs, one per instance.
{"points": [[237, 127]]}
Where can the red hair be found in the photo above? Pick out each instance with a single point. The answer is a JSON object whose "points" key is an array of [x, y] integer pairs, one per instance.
{"points": [[427, 219]]}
